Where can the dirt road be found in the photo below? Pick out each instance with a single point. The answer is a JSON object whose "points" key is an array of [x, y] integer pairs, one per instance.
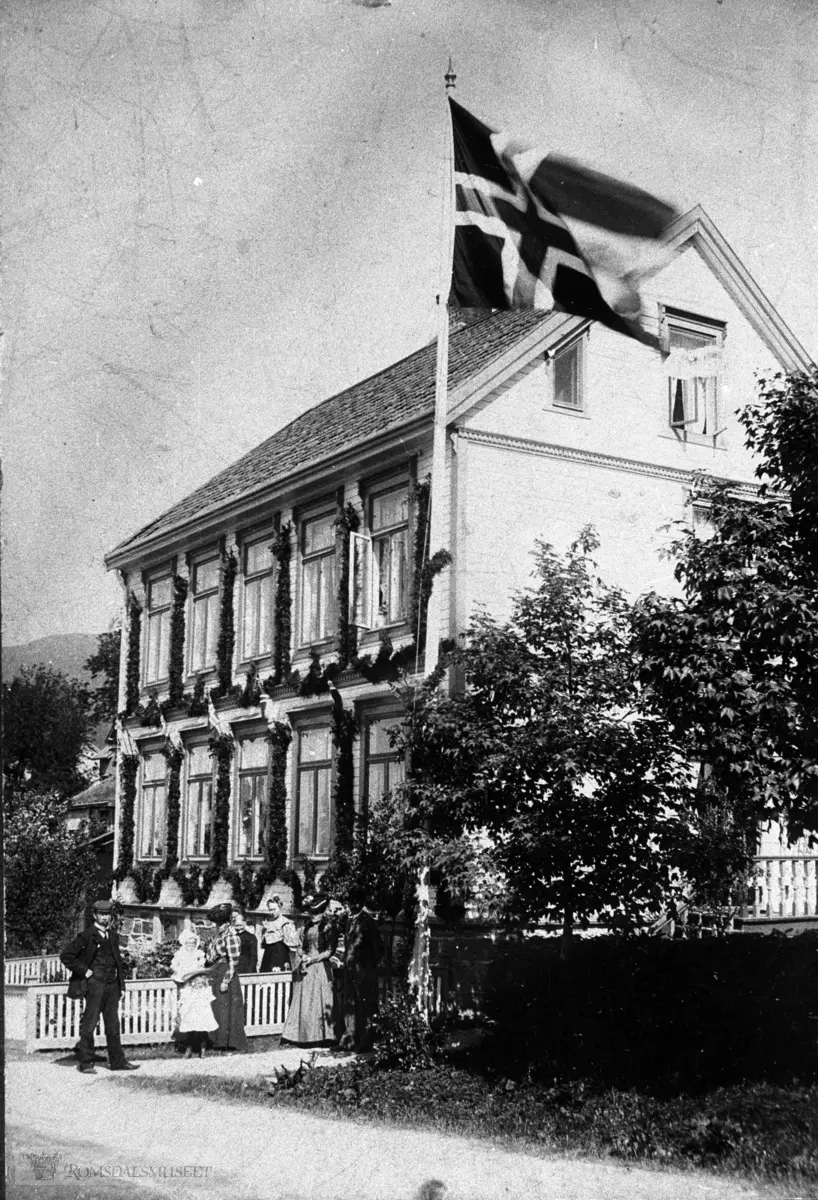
{"points": [[104, 1139]]}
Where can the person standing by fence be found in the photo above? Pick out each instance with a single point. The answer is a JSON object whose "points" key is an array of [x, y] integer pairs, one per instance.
{"points": [[223, 954], [95, 963]]}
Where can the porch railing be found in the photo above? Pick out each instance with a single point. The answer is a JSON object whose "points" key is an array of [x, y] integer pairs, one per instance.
{"points": [[46, 968], [786, 885]]}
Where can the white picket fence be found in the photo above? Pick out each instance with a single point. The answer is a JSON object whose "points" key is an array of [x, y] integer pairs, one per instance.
{"points": [[786, 885], [43, 1017], [43, 969]]}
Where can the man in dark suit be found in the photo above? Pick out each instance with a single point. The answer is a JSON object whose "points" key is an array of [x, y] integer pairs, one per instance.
{"points": [[364, 951], [248, 960], [95, 963]]}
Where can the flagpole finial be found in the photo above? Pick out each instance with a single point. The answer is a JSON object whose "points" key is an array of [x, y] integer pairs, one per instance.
{"points": [[450, 77]]}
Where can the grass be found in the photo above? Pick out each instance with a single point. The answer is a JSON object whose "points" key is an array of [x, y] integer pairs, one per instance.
{"points": [[757, 1130]]}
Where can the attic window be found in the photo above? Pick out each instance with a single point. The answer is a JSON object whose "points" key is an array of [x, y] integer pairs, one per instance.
{"points": [[693, 367], [567, 377]]}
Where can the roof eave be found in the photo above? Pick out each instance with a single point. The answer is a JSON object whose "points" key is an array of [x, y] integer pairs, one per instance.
{"points": [[129, 553]]}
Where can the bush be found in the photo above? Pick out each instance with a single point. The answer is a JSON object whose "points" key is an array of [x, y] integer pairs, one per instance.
{"points": [[403, 1039], [669, 1015], [149, 964]]}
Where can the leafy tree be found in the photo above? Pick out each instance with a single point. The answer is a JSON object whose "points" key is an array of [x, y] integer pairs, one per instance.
{"points": [[733, 664], [47, 872], [46, 727], [105, 663], [545, 765]]}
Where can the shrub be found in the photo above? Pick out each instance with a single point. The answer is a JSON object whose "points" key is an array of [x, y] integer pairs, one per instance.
{"points": [[150, 964], [402, 1038]]}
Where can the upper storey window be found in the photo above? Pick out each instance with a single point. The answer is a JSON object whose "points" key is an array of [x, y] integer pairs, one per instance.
{"points": [[159, 594], [204, 588], [694, 349], [318, 579], [389, 525], [256, 624], [568, 369]]}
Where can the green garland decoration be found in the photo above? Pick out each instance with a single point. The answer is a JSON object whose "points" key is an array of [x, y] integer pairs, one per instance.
{"points": [[275, 831], [128, 768], [173, 757], [190, 884], [250, 695], [176, 656], [151, 715], [132, 662], [197, 704], [344, 733], [346, 522], [221, 749], [426, 568], [227, 624], [282, 552]]}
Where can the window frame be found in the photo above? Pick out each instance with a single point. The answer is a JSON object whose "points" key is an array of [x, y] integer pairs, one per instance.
{"points": [[196, 560], [254, 733], [163, 612], [364, 612], [572, 345], [316, 513], [254, 538], [317, 722], [367, 716], [154, 785], [713, 332], [197, 777]]}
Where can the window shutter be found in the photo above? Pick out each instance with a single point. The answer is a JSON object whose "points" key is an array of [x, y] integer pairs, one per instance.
{"points": [[360, 554]]}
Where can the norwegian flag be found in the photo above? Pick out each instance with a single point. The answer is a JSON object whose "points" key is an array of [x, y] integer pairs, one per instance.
{"points": [[536, 231]]}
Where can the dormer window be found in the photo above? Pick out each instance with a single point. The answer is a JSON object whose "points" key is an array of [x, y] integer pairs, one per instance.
{"points": [[693, 365]]}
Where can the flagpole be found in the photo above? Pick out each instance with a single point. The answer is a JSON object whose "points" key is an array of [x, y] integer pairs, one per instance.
{"points": [[420, 974], [434, 623]]}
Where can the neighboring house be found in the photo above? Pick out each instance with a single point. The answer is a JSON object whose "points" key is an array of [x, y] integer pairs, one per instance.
{"points": [[308, 549], [95, 805]]}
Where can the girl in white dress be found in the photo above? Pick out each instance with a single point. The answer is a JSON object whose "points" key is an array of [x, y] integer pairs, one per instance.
{"points": [[194, 1013]]}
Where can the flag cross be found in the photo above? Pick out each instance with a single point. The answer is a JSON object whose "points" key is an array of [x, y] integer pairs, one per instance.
{"points": [[541, 246]]}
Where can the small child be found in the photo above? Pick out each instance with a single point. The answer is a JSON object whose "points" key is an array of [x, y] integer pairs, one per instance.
{"points": [[194, 1014]]}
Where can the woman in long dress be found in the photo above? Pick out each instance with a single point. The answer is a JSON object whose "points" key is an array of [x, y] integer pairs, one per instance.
{"points": [[311, 1017], [194, 1012], [228, 1007], [279, 939]]}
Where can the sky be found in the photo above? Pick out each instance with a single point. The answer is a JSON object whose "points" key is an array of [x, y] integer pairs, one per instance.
{"points": [[217, 213]]}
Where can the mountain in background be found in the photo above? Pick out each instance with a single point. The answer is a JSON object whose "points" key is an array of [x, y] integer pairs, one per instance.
{"points": [[65, 651]]}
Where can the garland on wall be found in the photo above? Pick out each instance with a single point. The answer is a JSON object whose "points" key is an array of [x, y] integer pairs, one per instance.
{"points": [[176, 655], [128, 768], [132, 662], [221, 749], [173, 756], [275, 832], [227, 623], [282, 632], [346, 522], [344, 732]]}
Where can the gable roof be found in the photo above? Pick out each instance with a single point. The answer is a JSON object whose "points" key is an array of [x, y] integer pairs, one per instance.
{"points": [[403, 393], [394, 397]]}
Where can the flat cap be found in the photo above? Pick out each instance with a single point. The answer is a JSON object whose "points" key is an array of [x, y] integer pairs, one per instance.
{"points": [[103, 906]]}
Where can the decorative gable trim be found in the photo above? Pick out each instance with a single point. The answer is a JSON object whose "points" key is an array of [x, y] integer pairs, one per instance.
{"points": [[697, 228]]}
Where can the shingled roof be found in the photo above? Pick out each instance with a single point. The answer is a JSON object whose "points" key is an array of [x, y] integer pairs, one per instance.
{"points": [[394, 397]]}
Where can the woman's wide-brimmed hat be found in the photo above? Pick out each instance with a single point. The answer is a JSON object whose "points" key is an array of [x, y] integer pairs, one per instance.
{"points": [[317, 904], [221, 914]]}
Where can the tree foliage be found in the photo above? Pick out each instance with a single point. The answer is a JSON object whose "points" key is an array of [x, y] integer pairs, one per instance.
{"points": [[104, 663], [47, 872], [733, 663], [46, 729], [546, 765]]}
